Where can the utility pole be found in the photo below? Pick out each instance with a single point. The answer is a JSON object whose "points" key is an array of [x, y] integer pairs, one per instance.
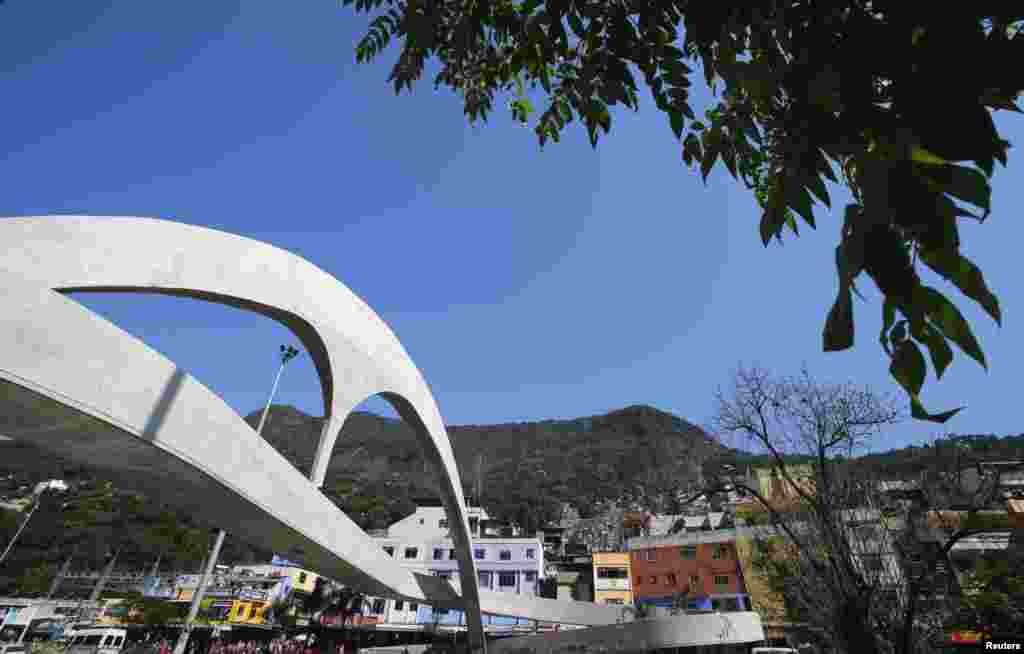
{"points": [[287, 353]]}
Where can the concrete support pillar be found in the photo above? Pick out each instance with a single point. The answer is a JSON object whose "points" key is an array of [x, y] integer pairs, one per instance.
{"points": [[60, 577], [211, 561], [107, 570], [328, 436]]}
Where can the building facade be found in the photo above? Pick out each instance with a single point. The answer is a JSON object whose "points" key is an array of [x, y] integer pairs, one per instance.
{"points": [[504, 565], [700, 568], [430, 522], [772, 485], [613, 579]]}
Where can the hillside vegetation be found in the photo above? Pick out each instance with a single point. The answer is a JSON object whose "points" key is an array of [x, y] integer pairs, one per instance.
{"points": [[526, 471]]}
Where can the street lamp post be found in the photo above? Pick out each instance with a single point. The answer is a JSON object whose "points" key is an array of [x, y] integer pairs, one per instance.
{"points": [[287, 354], [24, 524], [37, 496]]}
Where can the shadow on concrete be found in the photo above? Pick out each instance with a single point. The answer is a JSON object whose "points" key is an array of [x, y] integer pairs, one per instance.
{"points": [[163, 406]]}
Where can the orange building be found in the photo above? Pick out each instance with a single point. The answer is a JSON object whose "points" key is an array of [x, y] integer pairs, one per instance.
{"points": [[702, 566]]}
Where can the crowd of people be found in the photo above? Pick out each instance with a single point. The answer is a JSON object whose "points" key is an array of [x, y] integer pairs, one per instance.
{"points": [[277, 646]]}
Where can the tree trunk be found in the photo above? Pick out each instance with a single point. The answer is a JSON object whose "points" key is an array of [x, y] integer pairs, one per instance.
{"points": [[854, 629], [908, 618]]}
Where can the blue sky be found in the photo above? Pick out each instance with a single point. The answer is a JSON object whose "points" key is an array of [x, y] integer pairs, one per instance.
{"points": [[525, 284]]}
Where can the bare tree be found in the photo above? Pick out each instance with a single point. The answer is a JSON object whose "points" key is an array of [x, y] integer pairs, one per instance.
{"points": [[828, 549]]}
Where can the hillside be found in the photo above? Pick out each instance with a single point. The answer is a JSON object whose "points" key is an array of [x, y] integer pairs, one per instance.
{"points": [[526, 472], [523, 467]]}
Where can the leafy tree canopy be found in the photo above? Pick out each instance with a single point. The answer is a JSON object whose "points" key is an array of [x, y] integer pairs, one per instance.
{"points": [[890, 99]]}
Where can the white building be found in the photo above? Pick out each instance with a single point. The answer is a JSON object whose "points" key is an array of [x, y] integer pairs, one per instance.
{"points": [[421, 543]]}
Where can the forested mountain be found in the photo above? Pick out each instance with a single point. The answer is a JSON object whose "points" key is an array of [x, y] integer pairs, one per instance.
{"points": [[524, 472]]}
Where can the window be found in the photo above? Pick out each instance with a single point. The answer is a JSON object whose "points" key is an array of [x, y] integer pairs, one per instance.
{"points": [[93, 640], [694, 582], [118, 641], [651, 555], [451, 555], [688, 551], [302, 577], [479, 553], [444, 574], [614, 601], [421, 521], [716, 604], [413, 606], [399, 605], [720, 552], [506, 579], [108, 641], [505, 555], [531, 553], [484, 578], [653, 579], [612, 573], [443, 524], [671, 579], [378, 606], [439, 612], [531, 576], [389, 550], [639, 580], [411, 552], [721, 580], [732, 604], [438, 553]]}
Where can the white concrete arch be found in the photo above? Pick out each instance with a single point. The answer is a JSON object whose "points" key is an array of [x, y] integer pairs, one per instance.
{"points": [[356, 355], [77, 385]]}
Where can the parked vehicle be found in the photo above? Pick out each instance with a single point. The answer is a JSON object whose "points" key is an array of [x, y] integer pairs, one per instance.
{"points": [[12, 648]]}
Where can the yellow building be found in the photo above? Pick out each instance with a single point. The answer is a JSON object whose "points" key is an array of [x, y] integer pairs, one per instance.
{"points": [[249, 612], [772, 485], [612, 578]]}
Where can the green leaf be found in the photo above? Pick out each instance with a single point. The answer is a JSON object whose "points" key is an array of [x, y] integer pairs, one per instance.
{"points": [[838, 334], [948, 319], [711, 142], [908, 366], [938, 349], [791, 223], [691, 148], [966, 276], [920, 155], [899, 333], [964, 183], [799, 199], [676, 119], [772, 220], [918, 412], [888, 318], [817, 186], [729, 159]]}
